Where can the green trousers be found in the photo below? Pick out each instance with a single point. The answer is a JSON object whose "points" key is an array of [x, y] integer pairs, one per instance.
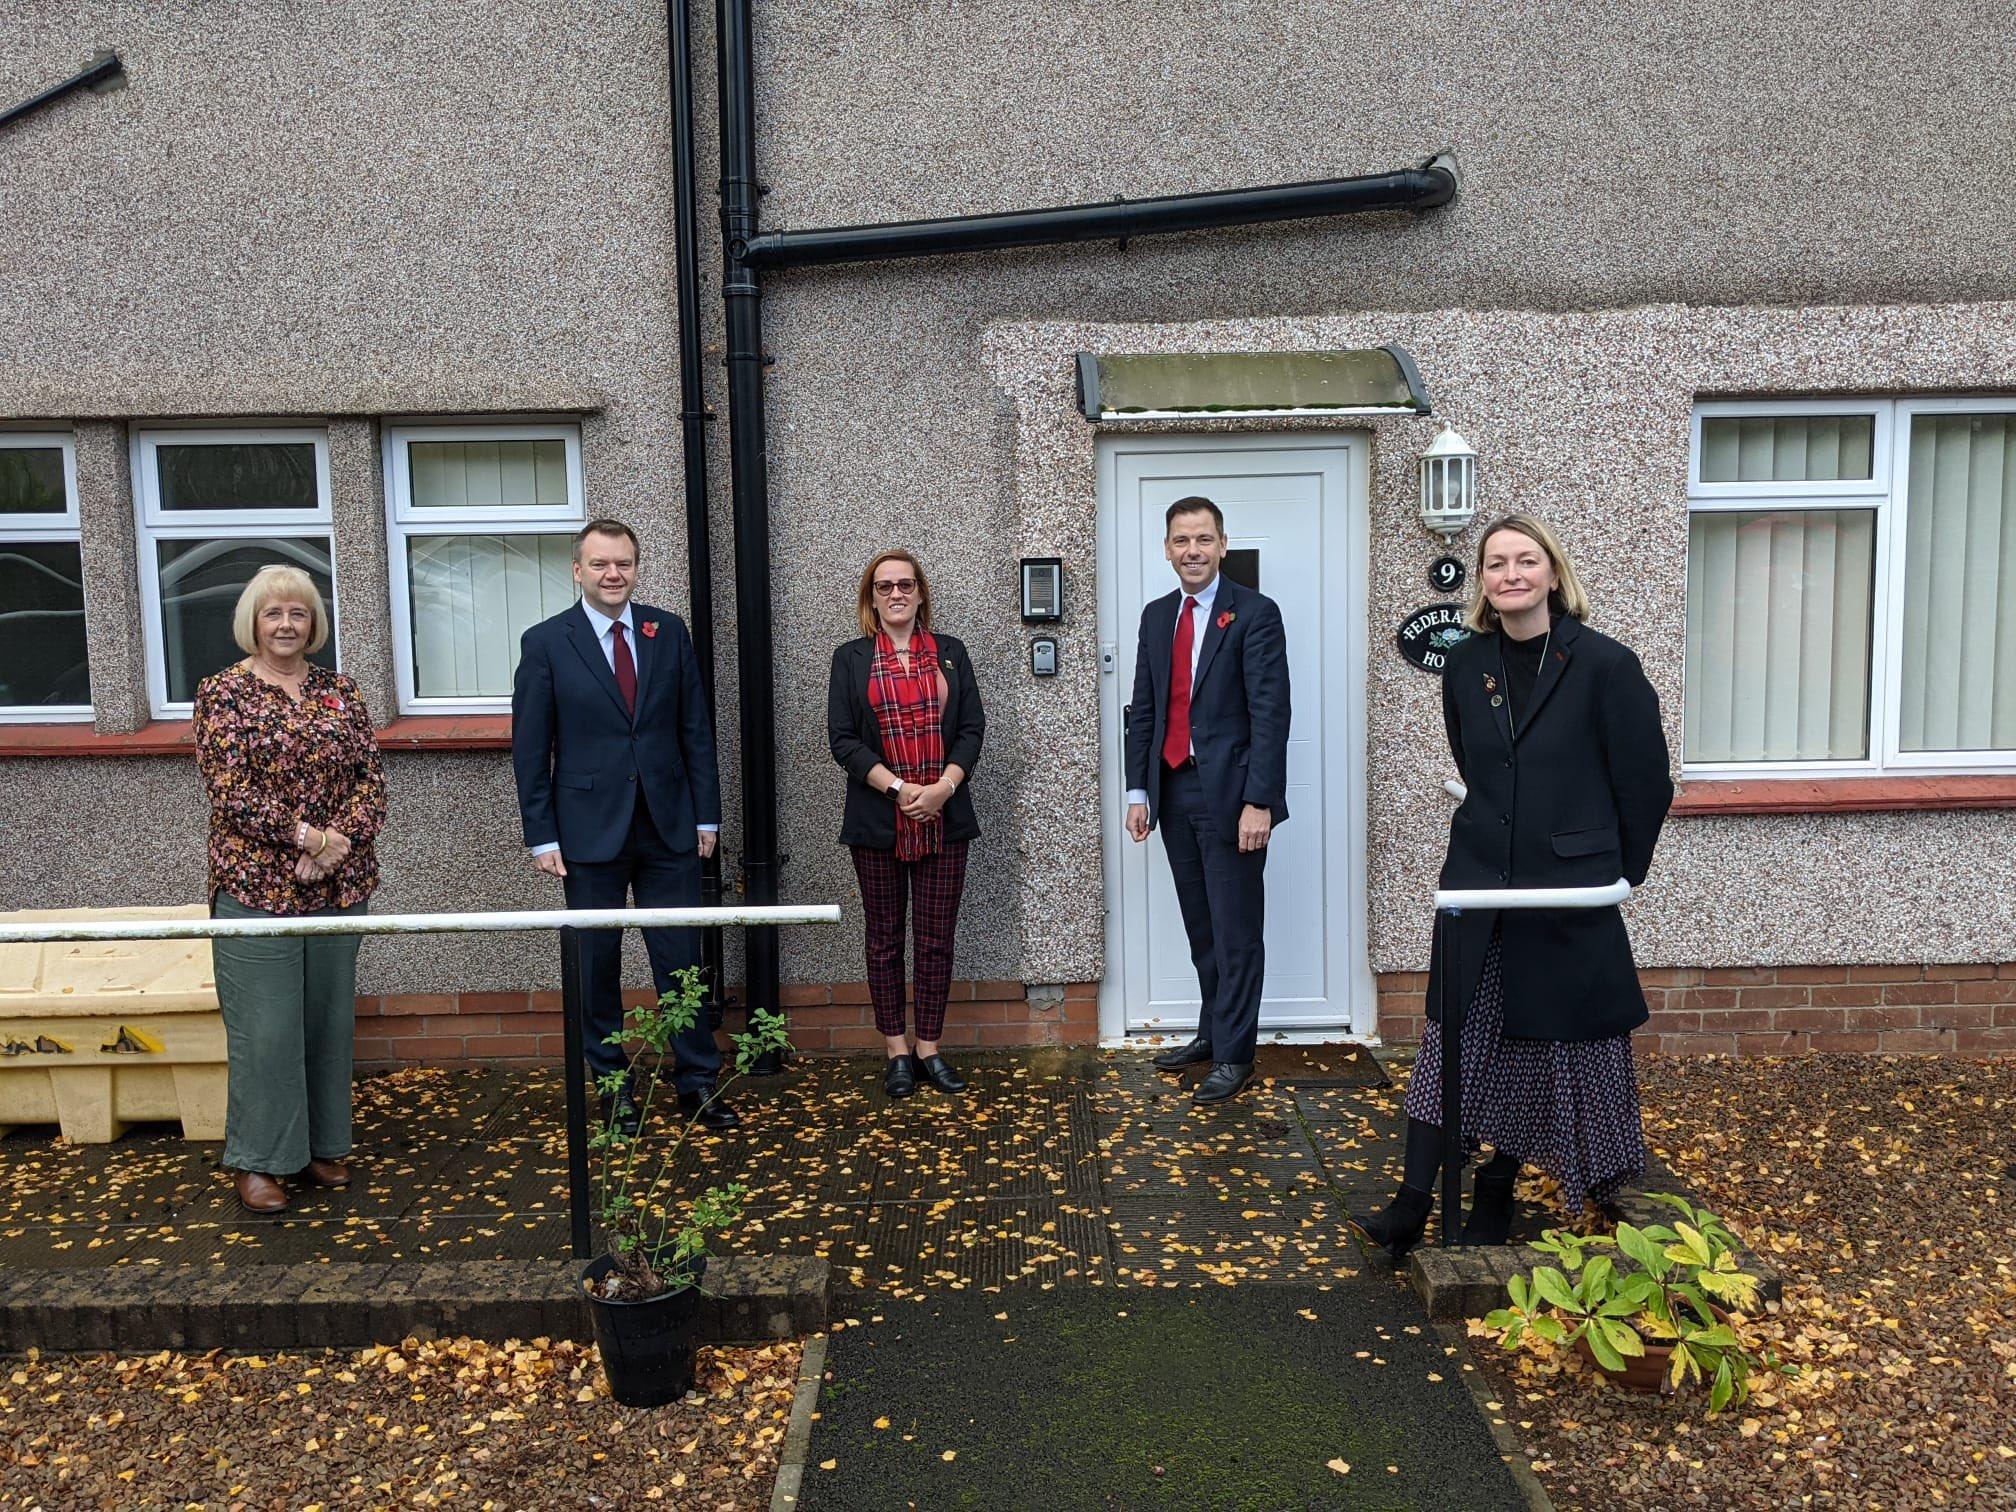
{"points": [[290, 1017]]}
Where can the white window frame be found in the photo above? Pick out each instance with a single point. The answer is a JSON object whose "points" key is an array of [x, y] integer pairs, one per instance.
{"points": [[405, 519], [155, 524], [1887, 492], [38, 529]]}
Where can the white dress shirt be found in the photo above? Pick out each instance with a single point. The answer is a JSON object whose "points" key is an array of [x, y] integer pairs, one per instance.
{"points": [[1203, 598], [603, 624]]}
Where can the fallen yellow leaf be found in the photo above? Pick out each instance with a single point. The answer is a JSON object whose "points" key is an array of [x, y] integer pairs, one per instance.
{"points": [[1339, 1466]]}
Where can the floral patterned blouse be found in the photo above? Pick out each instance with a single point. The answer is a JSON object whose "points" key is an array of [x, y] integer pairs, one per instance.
{"points": [[269, 763]]}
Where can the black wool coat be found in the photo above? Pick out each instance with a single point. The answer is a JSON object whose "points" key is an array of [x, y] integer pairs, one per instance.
{"points": [[1577, 800], [855, 737]]}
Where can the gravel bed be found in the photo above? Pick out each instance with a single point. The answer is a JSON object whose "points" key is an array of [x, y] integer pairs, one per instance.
{"points": [[456, 1423], [1878, 1187]]}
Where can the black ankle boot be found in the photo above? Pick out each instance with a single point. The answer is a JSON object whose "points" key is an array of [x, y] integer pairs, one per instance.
{"points": [[1400, 1227], [1490, 1220]]}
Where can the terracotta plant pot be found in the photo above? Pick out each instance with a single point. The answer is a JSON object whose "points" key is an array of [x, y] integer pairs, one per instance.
{"points": [[1646, 1372]]}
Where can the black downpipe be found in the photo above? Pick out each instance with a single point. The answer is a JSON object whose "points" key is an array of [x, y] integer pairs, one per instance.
{"points": [[750, 484], [101, 70], [693, 434], [1432, 184]]}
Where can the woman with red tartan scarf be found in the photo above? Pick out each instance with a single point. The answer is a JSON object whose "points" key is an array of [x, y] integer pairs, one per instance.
{"points": [[903, 717]]}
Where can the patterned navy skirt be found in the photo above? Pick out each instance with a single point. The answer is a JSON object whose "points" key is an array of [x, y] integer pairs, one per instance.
{"points": [[1569, 1108]]}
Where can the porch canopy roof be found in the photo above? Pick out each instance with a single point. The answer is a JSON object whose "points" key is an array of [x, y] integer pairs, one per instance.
{"points": [[1379, 380]]}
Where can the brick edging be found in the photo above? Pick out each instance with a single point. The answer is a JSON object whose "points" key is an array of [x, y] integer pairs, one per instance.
{"points": [[350, 1305], [1967, 1008]]}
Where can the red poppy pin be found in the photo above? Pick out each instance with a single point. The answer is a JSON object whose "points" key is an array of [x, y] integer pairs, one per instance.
{"points": [[331, 701], [649, 629], [1225, 617]]}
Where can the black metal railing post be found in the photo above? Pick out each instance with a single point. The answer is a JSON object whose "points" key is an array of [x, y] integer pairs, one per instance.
{"points": [[1451, 1005], [573, 1014]]}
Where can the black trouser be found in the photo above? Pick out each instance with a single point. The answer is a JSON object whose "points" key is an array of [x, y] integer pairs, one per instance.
{"points": [[661, 878], [1222, 892]]}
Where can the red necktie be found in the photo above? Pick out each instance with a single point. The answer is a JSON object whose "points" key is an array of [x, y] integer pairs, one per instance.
{"points": [[1176, 744], [626, 670]]}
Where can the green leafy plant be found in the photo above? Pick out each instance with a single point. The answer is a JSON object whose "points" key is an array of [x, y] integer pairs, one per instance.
{"points": [[1668, 1290], [657, 1246]]}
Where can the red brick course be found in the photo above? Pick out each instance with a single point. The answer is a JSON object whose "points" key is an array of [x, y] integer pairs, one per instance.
{"points": [[832, 1018], [1966, 1008]]}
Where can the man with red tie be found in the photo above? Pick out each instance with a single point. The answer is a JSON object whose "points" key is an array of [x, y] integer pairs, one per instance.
{"points": [[617, 787], [1207, 760]]}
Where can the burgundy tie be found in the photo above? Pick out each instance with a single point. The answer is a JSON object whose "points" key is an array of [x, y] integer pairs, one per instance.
{"points": [[1176, 744], [626, 670]]}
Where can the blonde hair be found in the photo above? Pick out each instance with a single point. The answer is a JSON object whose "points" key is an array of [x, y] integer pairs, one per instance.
{"points": [[1567, 597], [871, 622], [289, 585]]}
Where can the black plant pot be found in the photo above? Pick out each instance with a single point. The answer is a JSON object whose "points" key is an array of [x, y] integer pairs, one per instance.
{"points": [[647, 1347]]}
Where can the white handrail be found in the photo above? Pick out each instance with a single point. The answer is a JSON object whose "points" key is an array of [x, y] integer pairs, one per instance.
{"points": [[1460, 898], [435, 923]]}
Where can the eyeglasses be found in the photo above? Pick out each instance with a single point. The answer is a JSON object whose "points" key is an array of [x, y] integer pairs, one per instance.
{"points": [[887, 586]]}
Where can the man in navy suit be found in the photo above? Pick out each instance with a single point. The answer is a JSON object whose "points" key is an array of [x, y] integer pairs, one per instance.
{"points": [[1207, 760], [618, 791]]}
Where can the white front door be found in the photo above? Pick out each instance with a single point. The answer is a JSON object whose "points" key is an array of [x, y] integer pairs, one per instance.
{"points": [[1295, 521]]}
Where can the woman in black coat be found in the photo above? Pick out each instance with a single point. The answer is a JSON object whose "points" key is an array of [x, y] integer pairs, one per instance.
{"points": [[1556, 734], [903, 717]]}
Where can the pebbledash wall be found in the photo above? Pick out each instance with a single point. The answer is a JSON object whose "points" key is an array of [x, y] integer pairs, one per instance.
{"points": [[404, 211]]}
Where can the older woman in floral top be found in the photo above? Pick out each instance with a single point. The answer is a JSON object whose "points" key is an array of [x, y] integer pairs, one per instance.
{"points": [[297, 795]]}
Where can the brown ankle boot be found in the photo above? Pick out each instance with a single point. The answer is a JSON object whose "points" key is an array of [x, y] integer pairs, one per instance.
{"points": [[333, 1174], [260, 1193]]}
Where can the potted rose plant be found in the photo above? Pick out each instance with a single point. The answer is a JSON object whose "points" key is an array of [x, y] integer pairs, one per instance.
{"points": [[1653, 1322], [644, 1289]]}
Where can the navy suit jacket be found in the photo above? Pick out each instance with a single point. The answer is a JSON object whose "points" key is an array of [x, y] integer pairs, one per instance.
{"points": [[581, 759], [1238, 705]]}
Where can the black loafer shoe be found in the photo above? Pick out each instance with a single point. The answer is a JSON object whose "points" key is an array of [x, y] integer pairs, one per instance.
{"points": [[900, 1078], [1224, 1082], [713, 1115], [1193, 1054], [938, 1071]]}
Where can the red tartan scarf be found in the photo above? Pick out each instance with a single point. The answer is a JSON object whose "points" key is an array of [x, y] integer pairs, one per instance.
{"points": [[909, 714]]}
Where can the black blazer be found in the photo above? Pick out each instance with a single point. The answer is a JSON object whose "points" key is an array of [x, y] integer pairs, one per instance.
{"points": [[580, 758], [1576, 801], [1238, 704], [856, 741]]}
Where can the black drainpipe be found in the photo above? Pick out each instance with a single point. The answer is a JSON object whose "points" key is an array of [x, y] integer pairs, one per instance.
{"points": [[750, 484], [693, 430], [1423, 188], [743, 251]]}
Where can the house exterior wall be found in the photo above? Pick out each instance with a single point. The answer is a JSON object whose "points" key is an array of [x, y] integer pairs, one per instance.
{"points": [[351, 214]]}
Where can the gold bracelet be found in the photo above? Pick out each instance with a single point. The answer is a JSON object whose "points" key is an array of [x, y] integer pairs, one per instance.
{"points": [[323, 846]]}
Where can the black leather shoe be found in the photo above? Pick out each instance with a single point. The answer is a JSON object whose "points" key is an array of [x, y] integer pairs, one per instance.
{"points": [[620, 1113], [1193, 1054], [1224, 1082], [713, 1115], [938, 1071], [900, 1079], [1400, 1227]]}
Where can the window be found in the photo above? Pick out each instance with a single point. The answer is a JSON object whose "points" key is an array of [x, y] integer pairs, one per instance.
{"points": [[215, 507], [43, 667], [482, 524], [1851, 587]]}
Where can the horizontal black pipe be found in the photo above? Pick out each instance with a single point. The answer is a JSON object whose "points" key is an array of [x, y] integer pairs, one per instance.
{"points": [[106, 67], [1111, 220]]}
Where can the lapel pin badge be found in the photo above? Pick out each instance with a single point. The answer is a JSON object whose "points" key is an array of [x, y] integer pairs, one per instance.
{"points": [[1490, 683], [649, 629], [1225, 618], [1497, 699]]}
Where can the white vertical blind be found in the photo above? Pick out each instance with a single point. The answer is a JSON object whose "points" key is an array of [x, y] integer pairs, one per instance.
{"points": [[1787, 448], [1958, 685], [473, 596], [1778, 634], [488, 474]]}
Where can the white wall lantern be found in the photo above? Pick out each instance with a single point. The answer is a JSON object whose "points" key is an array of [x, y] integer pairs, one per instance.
{"points": [[1448, 484]]}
